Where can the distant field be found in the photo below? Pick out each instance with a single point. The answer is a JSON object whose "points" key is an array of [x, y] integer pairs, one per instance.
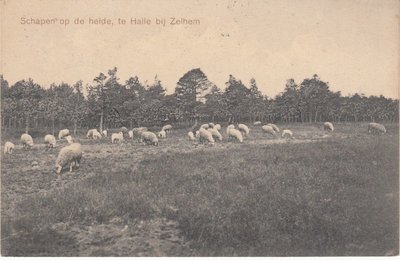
{"points": [[318, 194]]}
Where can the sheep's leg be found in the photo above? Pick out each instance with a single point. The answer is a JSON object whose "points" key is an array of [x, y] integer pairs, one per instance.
{"points": [[70, 167]]}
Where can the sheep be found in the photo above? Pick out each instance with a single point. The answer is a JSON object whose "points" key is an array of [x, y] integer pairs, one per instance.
{"points": [[257, 123], [104, 133], [117, 137], [69, 155], [376, 128], [191, 136], [328, 126], [204, 126], [287, 133], [217, 127], [215, 133], [244, 129], [167, 128], [90, 132], [236, 134], [27, 141], [130, 134], [205, 136], [137, 131], [149, 138], [268, 129], [123, 129], [276, 129], [63, 133], [211, 125], [162, 134], [197, 134], [8, 147], [96, 135], [50, 141]]}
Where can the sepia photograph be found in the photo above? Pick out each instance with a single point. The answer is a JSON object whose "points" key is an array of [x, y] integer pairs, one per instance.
{"points": [[195, 128]]}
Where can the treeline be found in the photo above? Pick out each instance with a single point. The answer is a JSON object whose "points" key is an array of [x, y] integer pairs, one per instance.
{"points": [[108, 103]]}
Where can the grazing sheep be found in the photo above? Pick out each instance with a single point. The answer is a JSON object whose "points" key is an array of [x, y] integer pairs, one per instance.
{"points": [[191, 136], [217, 127], [130, 134], [162, 134], [149, 138], [63, 133], [236, 134], [287, 133], [27, 141], [276, 129], [244, 129], [50, 141], [167, 128], [69, 155], [204, 126], [214, 132], [90, 133], [257, 123], [268, 129], [8, 147], [376, 128], [123, 129], [328, 126], [117, 137], [105, 133], [96, 135], [211, 125], [138, 131], [205, 136]]}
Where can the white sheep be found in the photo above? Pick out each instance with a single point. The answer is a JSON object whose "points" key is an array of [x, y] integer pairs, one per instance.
{"points": [[191, 136], [50, 141], [257, 123], [236, 134], [96, 135], [130, 134], [162, 134], [204, 126], [376, 128], [167, 128], [149, 138], [268, 129], [211, 125], [215, 134], [90, 133], [217, 127], [63, 133], [328, 126], [69, 155], [286, 133], [138, 131], [244, 129], [8, 147], [105, 133], [275, 127], [117, 137], [27, 141], [205, 136]]}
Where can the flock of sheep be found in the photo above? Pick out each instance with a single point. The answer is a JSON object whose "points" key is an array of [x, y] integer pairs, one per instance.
{"points": [[206, 134]]}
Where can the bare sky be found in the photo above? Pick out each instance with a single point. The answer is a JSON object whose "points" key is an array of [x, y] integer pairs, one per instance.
{"points": [[353, 44]]}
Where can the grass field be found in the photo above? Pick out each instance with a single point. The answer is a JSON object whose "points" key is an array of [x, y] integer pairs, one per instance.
{"points": [[318, 194]]}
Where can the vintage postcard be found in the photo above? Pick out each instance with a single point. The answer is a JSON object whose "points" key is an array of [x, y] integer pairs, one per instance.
{"points": [[199, 128]]}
